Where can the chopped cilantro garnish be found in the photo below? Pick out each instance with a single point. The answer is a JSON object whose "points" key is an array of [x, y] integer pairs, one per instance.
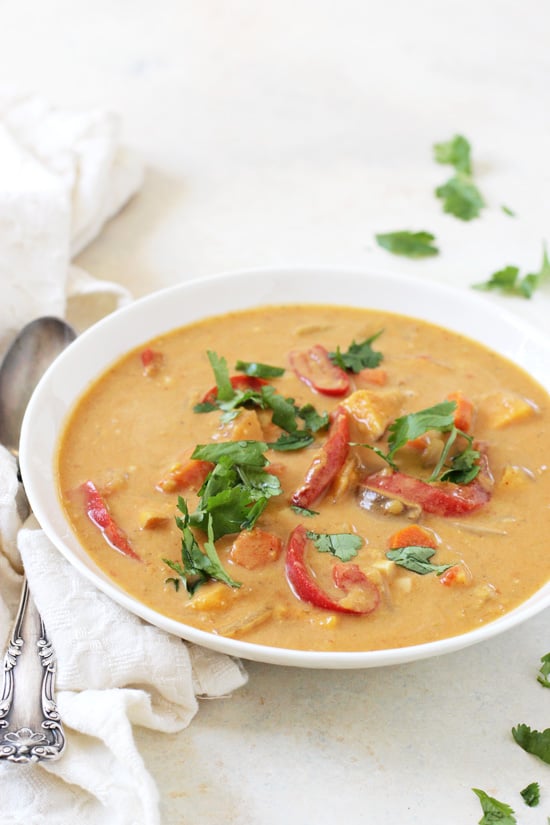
{"points": [[292, 441], [531, 794], [196, 567], [237, 490], [463, 466], [259, 370], [510, 282], [358, 356], [410, 244], [459, 194], [508, 211], [494, 811], [303, 511], [342, 545], [221, 373], [416, 558], [544, 671], [533, 741]]}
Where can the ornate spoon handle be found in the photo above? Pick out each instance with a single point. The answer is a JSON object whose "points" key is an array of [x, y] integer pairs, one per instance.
{"points": [[30, 730]]}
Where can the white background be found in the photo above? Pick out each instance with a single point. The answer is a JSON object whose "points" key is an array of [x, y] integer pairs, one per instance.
{"points": [[290, 132]]}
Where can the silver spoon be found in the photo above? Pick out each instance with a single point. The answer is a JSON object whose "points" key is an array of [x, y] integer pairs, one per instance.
{"points": [[30, 726]]}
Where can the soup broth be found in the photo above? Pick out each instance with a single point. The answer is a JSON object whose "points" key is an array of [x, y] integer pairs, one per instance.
{"points": [[385, 486]]}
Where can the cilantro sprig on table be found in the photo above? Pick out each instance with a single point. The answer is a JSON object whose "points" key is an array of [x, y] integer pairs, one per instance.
{"points": [[508, 280], [458, 469], [460, 195], [493, 810], [358, 356], [409, 244]]}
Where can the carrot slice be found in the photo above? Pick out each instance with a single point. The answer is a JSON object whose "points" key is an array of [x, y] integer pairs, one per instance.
{"points": [[190, 475], [464, 413], [413, 535]]}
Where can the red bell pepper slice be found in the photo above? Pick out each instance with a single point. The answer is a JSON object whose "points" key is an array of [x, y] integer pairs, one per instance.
{"points": [[306, 589], [98, 513], [238, 382], [314, 367], [327, 463], [439, 498]]}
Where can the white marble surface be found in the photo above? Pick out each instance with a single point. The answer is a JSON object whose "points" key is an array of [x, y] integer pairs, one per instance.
{"points": [[291, 132]]}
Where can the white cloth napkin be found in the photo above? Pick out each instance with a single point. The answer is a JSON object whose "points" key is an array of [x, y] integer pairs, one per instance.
{"points": [[62, 175]]}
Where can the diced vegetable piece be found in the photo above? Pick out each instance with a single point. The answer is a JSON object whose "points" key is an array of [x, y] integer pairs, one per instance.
{"points": [[504, 408], [239, 383], [373, 411], [514, 477], [98, 513], [212, 596], [376, 376], [246, 427], [443, 498], [303, 584], [387, 504], [150, 520], [255, 548], [189, 475], [464, 413], [347, 479], [361, 593], [412, 534], [327, 463], [314, 367], [456, 576], [151, 361]]}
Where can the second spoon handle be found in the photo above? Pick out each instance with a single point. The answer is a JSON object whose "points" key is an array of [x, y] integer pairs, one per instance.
{"points": [[30, 726]]}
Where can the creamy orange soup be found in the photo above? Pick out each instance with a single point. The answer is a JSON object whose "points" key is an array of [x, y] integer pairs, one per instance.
{"points": [[413, 506]]}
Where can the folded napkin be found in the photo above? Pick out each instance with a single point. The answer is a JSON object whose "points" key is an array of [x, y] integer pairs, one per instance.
{"points": [[62, 175]]}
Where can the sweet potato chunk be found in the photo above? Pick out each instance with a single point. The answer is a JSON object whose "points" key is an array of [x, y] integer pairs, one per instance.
{"points": [[255, 548], [504, 408], [372, 411]]}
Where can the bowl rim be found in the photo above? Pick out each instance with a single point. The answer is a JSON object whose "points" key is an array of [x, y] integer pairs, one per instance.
{"points": [[104, 342]]}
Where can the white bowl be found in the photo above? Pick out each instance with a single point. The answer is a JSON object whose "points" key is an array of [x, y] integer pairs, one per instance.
{"points": [[461, 310]]}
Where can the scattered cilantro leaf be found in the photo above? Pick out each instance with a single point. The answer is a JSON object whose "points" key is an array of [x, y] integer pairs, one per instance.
{"points": [[416, 558], [531, 794], [464, 467], [493, 810], [509, 281], [259, 370], [459, 194], [409, 244], [533, 741], [313, 420], [292, 441], [304, 511], [236, 491], [455, 152], [461, 197], [508, 211], [221, 373], [342, 545], [196, 567], [544, 671], [358, 356], [408, 427]]}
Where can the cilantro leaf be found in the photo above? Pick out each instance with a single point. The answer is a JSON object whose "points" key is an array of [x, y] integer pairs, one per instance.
{"points": [[531, 794], [416, 558], [342, 545], [221, 373], [533, 741], [410, 244], [408, 427], [313, 420], [455, 152], [461, 197], [544, 671], [258, 370], [358, 356], [508, 211], [493, 810], [509, 282], [238, 452], [464, 467], [196, 567], [303, 511], [292, 441]]}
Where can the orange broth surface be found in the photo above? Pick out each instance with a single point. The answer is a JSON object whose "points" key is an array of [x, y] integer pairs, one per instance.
{"points": [[136, 427]]}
